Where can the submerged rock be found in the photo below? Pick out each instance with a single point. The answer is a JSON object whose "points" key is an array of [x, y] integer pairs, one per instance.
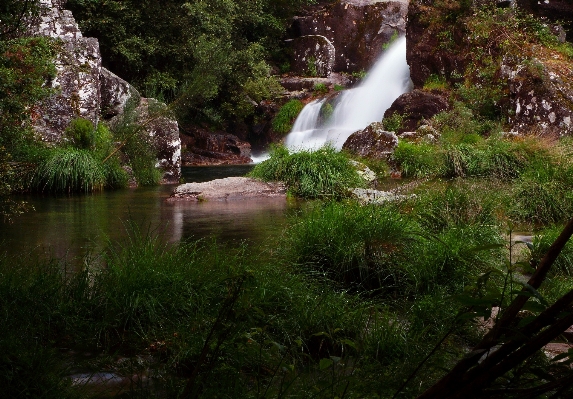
{"points": [[228, 189], [202, 147], [373, 142]]}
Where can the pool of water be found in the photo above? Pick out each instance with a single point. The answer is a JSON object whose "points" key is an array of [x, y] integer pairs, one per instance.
{"points": [[74, 226]]}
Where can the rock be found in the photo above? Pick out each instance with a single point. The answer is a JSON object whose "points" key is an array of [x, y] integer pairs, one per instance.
{"points": [[365, 172], [541, 95], [415, 107], [312, 55], [372, 142], [78, 66], [164, 132], [424, 54], [358, 29], [206, 148], [369, 196], [228, 189], [115, 92], [87, 90]]}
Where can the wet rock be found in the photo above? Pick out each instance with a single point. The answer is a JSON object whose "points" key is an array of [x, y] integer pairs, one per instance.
{"points": [[228, 189], [415, 107], [313, 55], [358, 29], [365, 172], [373, 142], [202, 147]]}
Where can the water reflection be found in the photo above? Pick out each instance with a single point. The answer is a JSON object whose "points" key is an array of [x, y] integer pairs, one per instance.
{"points": [[73, 227]]}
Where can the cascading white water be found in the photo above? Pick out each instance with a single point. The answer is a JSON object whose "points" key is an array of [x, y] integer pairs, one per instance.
{"points": [[356, 108]]}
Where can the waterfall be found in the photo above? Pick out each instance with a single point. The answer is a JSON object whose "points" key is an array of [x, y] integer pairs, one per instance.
{"points": [[355, 108]]}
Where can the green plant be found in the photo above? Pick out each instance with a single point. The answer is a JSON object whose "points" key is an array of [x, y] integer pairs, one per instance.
{"points": [[338, 87], [69, 170], [324, 173], [320, 88], [282, 123], [418, 159], [311, 69], [392, 39], [435, 82], [82, 133], [393, 123]]}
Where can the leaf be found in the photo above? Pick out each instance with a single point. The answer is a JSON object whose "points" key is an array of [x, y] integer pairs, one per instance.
{"points": [[525, 321], [534, 306], [349, 343], [325, 363]]}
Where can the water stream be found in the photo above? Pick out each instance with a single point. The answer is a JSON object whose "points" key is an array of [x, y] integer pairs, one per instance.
{"points": [[355, 108]]}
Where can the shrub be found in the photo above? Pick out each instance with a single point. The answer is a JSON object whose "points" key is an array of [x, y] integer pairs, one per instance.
{"points": [[393, 123], [418, 159], [320, 88], [283, 121], [324, 173], [69, 170], [81, 133]]}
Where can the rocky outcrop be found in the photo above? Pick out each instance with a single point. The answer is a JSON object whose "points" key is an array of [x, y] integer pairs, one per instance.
{"points": [[313, 55], [202, 147], [541, 95], [358, 29], [85, 89], [416, 106], [373, 142], [228, 189]]}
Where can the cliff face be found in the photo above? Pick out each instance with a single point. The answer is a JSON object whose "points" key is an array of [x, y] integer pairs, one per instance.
{"points": [[85, 89], [498, 59]]}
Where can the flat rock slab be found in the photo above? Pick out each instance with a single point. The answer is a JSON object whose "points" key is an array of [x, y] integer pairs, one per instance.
{"points": [[228, 189]]}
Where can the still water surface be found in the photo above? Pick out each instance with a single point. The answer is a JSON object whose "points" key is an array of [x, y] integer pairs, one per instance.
{"points": [[72, 227]]}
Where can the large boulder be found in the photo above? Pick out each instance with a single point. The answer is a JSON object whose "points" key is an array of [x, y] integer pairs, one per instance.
{"points": [[229, 189], [313, 55], [85, 89], [358, 29], [541, 96], [78, 66], [373, 142], [416, 106], [555, 11]]}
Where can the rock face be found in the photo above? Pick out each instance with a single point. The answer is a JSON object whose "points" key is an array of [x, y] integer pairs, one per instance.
{"points": [[541, 96], [228, 189], [416, 106], [202, 147], [313, 55], [358, 29], [372, 142], [86, 90]]}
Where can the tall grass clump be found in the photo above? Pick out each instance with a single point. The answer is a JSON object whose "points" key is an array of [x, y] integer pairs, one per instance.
{"points": [[69, 170], [418, 159], [323, 173], [283, 121]]}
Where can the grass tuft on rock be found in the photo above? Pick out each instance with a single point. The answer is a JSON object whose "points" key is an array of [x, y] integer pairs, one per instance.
{"points": [[323, 173]]}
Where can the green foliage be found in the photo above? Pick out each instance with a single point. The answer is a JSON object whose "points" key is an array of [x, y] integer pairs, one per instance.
{"points": [[393, 123], [69, 170], [418, 159], [311, 69], [205, 54], [338, 87], [16, 16], [393, 38], [435, 82], [320, 88], [324, 173], [25, 65], [283, 121], [81, 132]]}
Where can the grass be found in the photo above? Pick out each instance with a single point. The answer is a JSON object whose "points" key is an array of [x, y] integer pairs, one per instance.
{"points": [[69, 170], [283, 121], [324, 173]]}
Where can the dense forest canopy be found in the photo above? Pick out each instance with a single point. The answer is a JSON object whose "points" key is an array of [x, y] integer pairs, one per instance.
{"points": [[213, 54]]}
